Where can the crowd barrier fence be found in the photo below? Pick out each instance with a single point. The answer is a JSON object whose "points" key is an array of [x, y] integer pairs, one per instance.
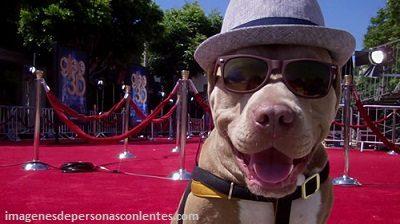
{"points": [[387, 120]]}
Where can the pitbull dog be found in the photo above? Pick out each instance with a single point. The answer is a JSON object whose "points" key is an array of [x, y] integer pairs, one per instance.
{"points": [[273, 75], [270, 130]]}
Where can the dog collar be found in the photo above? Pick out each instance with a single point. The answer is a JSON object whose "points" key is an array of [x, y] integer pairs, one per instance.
{"points": [[206, 185]]}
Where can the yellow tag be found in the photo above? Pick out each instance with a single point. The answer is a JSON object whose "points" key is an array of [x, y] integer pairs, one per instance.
{"points": [[203, 191]]}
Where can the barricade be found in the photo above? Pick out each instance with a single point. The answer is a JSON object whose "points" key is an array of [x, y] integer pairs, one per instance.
{"points": [[385, 117]]}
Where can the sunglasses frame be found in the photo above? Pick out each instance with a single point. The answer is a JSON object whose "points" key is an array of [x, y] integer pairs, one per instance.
{"points": [[274, 65]]}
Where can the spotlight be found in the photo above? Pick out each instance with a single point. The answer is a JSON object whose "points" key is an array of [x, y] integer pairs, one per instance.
{"points": [[171, 100], [123, 87], [32, 69], [100, 84], [192, 98], [162, 93], [377, 57]]}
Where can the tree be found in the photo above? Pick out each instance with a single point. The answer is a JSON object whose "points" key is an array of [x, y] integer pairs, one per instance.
{"points": [[385, 28], [111, 32], [184, 29]]}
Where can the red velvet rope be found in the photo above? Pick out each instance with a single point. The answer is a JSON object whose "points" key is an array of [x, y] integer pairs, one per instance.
{"points": [[355, 126], [76, 129], [142, 116], [166, 116], [203, 104], [137, 110], [371, 125], [72, 113]]}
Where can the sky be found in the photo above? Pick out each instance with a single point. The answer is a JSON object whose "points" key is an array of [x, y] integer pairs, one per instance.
{"points": [[350, 15]]}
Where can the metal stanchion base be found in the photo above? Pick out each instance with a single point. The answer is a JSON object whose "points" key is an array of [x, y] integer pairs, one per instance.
{"points": [[345, 181], [181, 174], [35, 166], [126, 155], [392, 153], [176, 149]]}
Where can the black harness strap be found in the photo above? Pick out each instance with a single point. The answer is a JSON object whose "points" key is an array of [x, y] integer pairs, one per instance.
{"points": [[282, 211], [282, 205], [182, 205]]}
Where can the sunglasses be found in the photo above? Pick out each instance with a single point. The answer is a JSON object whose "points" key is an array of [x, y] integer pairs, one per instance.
{"points": [[307, 78]]}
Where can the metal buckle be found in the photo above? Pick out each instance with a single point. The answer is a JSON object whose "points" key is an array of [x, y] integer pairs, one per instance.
{"points": [[304, 188], [230, 191]]}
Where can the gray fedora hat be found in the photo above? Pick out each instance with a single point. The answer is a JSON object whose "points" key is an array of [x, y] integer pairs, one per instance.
{"points": [[265, 22]]}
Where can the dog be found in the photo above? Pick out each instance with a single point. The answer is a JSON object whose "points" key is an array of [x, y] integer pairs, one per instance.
{"points": [[238, 133], [274, 89]]}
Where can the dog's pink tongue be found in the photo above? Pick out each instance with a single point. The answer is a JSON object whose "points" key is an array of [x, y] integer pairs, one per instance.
{"points": [[271, 166]]}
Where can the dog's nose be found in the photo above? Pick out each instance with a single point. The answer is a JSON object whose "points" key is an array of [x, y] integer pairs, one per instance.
{"points": [[274, 117]]}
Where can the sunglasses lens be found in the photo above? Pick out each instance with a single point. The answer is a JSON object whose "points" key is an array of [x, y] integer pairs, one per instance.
{"points": [[308, 78], [244, 73]]}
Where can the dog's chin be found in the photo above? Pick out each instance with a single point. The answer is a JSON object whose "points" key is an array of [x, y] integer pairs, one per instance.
{"points": [[270, 173]]}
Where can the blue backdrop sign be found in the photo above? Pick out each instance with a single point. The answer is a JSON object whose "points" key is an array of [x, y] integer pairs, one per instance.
{"points": [[72, 78], [138, 78]]}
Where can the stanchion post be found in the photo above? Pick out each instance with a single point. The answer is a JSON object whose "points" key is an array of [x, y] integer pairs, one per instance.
{"points": [[189, 127], [170, 129], [203, 126], [126, 154], [182, 174], [392, 152], [151, 129], [95, 121], [345, 179], [36, 164], [177, 149]]}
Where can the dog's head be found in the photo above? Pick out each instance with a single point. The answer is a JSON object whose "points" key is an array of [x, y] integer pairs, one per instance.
{"points": [[272, 132]]}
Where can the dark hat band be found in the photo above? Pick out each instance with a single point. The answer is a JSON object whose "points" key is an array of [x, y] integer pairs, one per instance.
{"points": [[276, 21]]}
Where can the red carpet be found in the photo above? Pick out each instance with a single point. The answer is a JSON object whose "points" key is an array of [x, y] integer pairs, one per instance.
{"points": [[377, 201]]}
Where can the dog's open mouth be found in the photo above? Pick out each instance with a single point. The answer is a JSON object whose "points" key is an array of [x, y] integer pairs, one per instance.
{"points": [[270, 169]]}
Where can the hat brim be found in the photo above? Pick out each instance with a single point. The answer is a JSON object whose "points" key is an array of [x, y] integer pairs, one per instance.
{"points": [[339, 43]]}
